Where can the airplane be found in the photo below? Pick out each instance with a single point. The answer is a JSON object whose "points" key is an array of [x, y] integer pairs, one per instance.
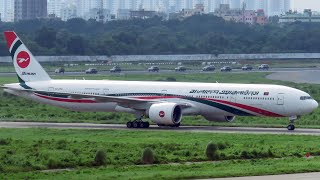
{"points": [[164, 103]]}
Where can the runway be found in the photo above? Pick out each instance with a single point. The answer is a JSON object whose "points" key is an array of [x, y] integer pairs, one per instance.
{"points": [[207, 129]]}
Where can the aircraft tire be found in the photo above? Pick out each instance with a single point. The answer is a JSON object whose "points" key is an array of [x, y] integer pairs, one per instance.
{"points": [[129, 124], [291, 127], [135, 124]]}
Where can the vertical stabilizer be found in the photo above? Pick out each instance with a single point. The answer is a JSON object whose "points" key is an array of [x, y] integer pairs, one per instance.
{"points": [[27, 67]]}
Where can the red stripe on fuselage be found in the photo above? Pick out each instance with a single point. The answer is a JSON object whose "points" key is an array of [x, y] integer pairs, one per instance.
{"points": [[242, 106], [249, 108], [10, 37], [66, 100]]}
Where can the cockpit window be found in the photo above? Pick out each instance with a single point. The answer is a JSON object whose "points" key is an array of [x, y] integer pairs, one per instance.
{"points": [[305, 97]]}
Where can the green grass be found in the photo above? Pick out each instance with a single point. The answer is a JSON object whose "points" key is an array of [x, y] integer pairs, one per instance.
{"points": [[25, 150], [10, 106], [182, 171]]}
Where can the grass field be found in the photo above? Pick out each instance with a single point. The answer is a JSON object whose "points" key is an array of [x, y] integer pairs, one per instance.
{"points": [[10, 105], [24, 152]]}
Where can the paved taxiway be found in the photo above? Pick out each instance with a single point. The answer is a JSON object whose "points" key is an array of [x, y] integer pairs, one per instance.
{"points": [[244, 130]]}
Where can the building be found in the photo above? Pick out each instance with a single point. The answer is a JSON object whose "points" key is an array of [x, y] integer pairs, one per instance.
{"points": [[142, 14], [235, 4], [54, 7], [239, 15], [95, 14], [293, 16], [30, 9], [7, 10], [278, 7], [123, 14], [261, 17], [68, 12], [184, 13], [263, 4], [250, 4], [229, 14]]}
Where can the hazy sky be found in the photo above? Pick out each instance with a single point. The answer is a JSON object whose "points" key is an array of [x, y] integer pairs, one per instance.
{"points": [[306, 4]]}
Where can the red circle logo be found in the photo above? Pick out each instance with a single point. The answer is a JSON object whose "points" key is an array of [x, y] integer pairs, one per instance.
{"points": [[162, 114], [23, 59]]}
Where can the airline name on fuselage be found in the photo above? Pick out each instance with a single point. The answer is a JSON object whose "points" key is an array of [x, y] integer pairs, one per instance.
{"points": [[28, 74], [226, 92]]}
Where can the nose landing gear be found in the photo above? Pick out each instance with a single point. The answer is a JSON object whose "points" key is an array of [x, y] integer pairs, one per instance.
{"points": [[291, 126]]}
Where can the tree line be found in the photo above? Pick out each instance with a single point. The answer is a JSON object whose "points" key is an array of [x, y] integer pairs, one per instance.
{"points": [[195, 35]]}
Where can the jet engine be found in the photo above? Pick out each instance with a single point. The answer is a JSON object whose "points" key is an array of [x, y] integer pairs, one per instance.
{"points": [[220, 118], [165, 113]]}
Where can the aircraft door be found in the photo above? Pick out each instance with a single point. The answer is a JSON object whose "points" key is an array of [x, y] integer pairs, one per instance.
{"points": [[105, 92], [233, 98], [280, 99], [51, 89]]}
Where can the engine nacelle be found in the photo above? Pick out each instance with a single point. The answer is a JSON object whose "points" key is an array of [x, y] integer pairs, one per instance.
{"points": [[165, 113], [220, 118]]}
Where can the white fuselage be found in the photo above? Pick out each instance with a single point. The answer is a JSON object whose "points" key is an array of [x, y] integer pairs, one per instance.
{"points": [[207, 99]]}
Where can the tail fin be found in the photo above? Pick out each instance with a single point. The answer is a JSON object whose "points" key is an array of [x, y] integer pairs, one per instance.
{"points": [[27, 67]]}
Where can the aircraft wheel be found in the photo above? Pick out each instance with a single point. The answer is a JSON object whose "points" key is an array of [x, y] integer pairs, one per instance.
{"points": [[141, 125], [135, 124], [291, 127], [146, 124], [129, 124]]}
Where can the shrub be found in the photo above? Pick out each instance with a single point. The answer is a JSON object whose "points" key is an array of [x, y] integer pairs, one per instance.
{"points": [[147, 156], [171, 79], [212, 151], [245, 155], [222, 146], [52, 164], [4, 141], [101, 158], [62, 144]]}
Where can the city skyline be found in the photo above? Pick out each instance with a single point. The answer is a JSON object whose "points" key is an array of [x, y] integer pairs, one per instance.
{"points": [[67, 9]]}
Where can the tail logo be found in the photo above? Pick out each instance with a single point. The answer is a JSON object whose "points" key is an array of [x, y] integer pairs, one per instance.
{"points": [[23, 59]]}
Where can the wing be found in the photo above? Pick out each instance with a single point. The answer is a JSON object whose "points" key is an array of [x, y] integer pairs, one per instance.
{"points": [[127, 102]]}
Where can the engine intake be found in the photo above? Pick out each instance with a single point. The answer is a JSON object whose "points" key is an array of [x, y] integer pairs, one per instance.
{"points": [[165, 113]]}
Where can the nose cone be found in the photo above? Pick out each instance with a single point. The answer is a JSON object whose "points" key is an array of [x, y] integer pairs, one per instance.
{"points": [[314, 105]]}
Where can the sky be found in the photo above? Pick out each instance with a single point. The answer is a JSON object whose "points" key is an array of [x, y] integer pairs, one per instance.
{"points": [[306, 4]]}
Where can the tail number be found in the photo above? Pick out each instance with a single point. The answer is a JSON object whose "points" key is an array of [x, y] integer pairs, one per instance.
{"points": [[23, 59]]}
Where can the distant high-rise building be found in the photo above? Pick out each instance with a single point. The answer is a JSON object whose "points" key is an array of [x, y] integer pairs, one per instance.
{"points": [[250, 4], [30, 9], [188, 4], [278, 7], [263, 4], [68, 12], [235, 4], [7, 10], [54, 7]]}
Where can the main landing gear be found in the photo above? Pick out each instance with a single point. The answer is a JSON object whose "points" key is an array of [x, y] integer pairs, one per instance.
{"points": [[291, 126], [137, 124]]}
